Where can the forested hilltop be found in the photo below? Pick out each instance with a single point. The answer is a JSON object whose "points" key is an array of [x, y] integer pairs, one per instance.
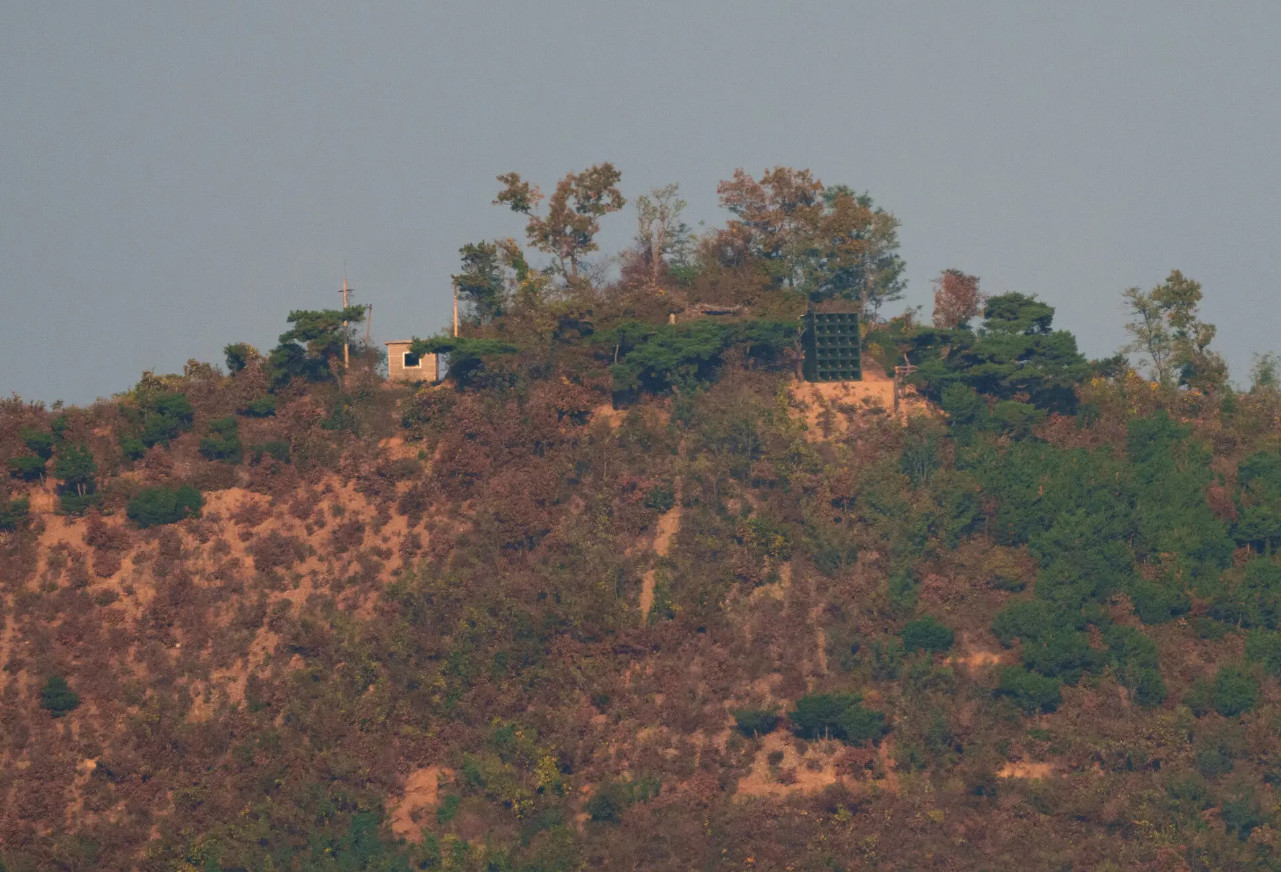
{"points": [[622, 592]]}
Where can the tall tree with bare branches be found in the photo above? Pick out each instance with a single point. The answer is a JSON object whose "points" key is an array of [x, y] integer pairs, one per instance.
{"points": [[660, 231], [568, 231]]}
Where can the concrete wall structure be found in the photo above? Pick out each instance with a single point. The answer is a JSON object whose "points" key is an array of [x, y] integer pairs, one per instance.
{"points": [[403, 366]]}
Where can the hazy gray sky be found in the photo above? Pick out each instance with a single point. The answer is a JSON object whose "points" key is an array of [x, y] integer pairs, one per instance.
{"points": [[177, 176]]}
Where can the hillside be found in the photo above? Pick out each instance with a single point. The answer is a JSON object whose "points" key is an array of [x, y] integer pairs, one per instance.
{"points": [[622, 593]]}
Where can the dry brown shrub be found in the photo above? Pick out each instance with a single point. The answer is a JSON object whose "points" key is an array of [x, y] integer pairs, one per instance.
{"points": [[106, 563], [214, 476], [169, 545], [410, 546], [277, 551], [304, 504], [250, 513], [101, 535], [169, 554], [77, 572], [1221, 502], [271, 477], [19, 555], [348, 535], [415, 502], [158, 463], [378, 481], [278, 617]]}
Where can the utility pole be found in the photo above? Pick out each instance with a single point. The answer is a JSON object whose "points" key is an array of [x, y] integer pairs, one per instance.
{"points": [[346, 354], [455, 310], [900, 373]]}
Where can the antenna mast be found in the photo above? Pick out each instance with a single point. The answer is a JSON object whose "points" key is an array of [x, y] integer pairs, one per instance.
{"points": [[455, 310], [346, 354]]}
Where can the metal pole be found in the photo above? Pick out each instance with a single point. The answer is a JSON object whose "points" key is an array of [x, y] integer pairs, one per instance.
{"points": [[346, 355]]}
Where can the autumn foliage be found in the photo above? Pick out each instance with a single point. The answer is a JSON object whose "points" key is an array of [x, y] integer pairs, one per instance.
{"points": [[619, 593]]}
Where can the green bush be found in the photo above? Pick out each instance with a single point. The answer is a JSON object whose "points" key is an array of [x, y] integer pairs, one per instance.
{"points": [[927, 634], [1252, 597], [1063, 653], [755, 722], [223, 442], [238, 355], [1030, 691], [448, 808], [159, 505], [1147, 685], [132, 448], [1235, 691], [32, 467], [1133, 657], [13, 513], [276, 449], [1157, 603], [1200, 697], [903, 587], [656, 358], [73, 503], [660, 497], [1241, 814], [1015, 418], [1188, 794], [57, 697], [963, 405], [1259, 500], [164, 416], [614, 797], [837, 716], [262, 407], [38, 442], [1215, 760], [920, 456], [1025, 619], [768, 536], [27, 467], [1264, 647], [79, 473], [606, 804]]}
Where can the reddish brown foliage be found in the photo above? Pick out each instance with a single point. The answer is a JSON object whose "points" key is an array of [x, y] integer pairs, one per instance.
{"points": [[276, 551], [956, 298], [348, 535]]}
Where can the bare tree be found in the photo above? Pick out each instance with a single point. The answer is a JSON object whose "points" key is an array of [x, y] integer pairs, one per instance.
{"points": [[660, 232]]}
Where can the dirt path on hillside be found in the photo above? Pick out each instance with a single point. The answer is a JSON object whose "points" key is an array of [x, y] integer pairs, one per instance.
{"points": [[420, 797], [669, 523], [1026, 770], [795, 773]]}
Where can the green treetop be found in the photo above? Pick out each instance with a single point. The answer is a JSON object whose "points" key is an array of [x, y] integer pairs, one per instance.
{"points": [[825, 242], [315, 340], [1166, 329], [568, 231]]}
